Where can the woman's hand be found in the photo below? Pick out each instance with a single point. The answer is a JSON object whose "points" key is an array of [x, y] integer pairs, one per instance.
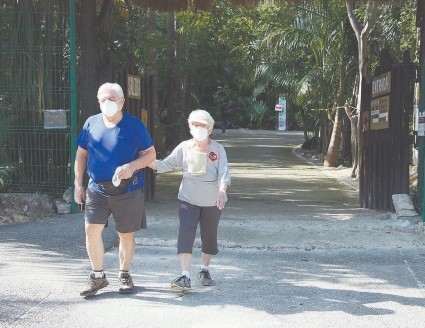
{"points": [[153, 165], [221, 199]]}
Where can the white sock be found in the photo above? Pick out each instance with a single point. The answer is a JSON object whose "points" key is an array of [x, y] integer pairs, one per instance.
{"points": [[98, 274], [186, 273], [121, 272], [205, 267]]}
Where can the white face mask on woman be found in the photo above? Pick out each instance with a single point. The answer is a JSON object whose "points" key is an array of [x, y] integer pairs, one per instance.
{"points": [[109, 108], [199, 133]]}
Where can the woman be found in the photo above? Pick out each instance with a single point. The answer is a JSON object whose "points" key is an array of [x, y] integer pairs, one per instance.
{"points": [[202, 194]]}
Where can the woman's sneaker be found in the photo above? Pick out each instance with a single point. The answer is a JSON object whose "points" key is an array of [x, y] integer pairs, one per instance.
{"points": [[93, 285], [181, 283], [205, 278]]}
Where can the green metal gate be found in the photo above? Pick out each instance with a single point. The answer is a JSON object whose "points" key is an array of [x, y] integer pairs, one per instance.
{"points": [[35, 120], [42, 52]]}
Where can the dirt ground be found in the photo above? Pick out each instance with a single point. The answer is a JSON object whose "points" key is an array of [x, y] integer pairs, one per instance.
{"points": [[277, 193]]}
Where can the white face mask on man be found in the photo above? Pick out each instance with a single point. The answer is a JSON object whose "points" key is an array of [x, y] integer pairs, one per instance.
{"points": [[109, 108], [199, 133]]}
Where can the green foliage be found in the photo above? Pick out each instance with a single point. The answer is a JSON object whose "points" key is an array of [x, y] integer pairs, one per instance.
{"points": [[258, 116], [396, 30], [303, 56]]}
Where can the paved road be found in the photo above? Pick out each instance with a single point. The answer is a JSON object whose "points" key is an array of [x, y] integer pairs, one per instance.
{"points": [[295, 251]]}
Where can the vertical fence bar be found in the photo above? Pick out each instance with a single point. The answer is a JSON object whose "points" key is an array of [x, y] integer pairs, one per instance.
{"points": [[420, 12], [421, 155], [73, 96]]}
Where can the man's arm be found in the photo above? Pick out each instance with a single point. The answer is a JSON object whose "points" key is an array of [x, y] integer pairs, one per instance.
{"points": [[145, 157], [80, 165]]}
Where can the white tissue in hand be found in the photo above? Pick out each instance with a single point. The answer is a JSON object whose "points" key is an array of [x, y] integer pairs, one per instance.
{"points": [[115, 180]]}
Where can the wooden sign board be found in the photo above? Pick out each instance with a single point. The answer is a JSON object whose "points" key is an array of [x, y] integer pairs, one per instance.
{"points": [[379, 110], [134, 87], [381, 85], [380, 103]]}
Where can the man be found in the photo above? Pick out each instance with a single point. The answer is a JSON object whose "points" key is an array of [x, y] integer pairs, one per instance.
{"points": [[113, 147]]}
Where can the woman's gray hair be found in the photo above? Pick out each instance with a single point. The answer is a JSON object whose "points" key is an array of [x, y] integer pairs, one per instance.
{"points": [[201, 116]]}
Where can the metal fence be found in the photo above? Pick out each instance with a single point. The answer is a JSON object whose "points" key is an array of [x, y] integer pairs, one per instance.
{"points": [[34, 97]]}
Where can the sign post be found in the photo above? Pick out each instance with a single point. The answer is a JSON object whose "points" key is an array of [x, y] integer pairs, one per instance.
{"points": [[421, 106], [281, 109]]}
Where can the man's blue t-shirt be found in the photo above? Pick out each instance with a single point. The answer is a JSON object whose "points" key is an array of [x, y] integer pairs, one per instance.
{"points": [[109, 148]]}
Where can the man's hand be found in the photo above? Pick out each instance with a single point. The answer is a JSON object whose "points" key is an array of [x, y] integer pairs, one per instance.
{"points": [[126, 172], [80, 195]]}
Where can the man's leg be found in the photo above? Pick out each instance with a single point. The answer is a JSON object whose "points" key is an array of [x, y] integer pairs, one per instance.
{"points": [[94, 245], [95, 250], [127, 248], [128, 212]]}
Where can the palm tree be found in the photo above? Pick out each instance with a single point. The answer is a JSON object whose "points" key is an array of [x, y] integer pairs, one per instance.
{"points": [[346, 65], [306, 58]]}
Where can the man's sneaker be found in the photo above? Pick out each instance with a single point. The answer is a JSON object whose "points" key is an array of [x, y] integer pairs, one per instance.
{"points": [[181, 283], [126, 283], [205, 278], [93, 285]]}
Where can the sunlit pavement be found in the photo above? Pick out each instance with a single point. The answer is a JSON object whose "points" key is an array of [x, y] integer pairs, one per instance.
{"points": [[295, 251]]}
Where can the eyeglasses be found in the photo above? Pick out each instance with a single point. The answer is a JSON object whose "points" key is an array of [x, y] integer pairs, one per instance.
{"points": [[202, 125], [114, 99]]}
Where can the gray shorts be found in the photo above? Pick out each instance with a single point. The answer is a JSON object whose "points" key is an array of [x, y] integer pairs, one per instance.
{"points": [[128, 210], [208, 218]]}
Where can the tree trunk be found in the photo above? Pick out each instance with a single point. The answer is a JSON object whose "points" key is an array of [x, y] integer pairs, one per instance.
{"points": [[354, 136], [332, 155], [362, 35], [331, 158]]}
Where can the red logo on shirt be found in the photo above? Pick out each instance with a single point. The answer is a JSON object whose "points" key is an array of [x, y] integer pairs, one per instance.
{"points": [[212, 156]]}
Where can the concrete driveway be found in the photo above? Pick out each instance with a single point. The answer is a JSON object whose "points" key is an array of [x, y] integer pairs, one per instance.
{"points": [[295, 251]]}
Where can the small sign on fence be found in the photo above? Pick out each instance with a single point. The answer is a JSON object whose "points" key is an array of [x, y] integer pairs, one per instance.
{"points": [[55, 119], [421, 124], [134, 87]]}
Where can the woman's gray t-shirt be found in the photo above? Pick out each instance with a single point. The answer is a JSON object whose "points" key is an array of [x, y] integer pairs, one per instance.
{"points": [[197, 188]]}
